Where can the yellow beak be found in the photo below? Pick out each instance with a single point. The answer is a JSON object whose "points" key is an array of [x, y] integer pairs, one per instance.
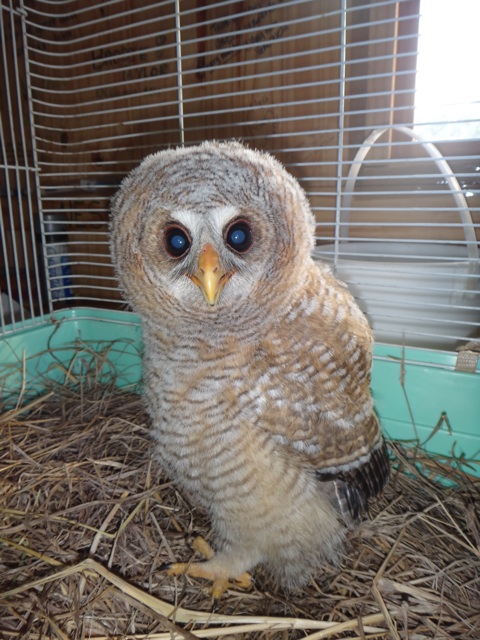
{"points": [[210, 277]]}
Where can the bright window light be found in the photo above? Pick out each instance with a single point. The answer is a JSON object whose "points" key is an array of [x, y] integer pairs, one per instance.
{"points": [[447, 99]]}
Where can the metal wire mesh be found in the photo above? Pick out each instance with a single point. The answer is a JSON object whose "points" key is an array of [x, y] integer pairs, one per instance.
{"points": [[92, 87]]}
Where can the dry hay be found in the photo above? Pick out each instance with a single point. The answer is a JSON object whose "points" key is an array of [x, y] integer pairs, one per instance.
{"points": [[88, 519]]}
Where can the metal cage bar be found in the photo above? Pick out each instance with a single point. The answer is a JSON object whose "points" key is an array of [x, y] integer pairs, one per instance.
{"points": [[108, 83]]}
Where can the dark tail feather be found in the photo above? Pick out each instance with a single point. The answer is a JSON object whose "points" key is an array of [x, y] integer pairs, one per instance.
{"points": [[351, 501], [354, 487]]}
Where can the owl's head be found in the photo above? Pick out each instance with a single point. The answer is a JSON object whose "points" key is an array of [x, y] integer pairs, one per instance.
{"points": [[208, 228]]}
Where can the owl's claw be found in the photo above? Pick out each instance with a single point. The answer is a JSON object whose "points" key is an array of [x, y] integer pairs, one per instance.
{"points": [[220, 580], [202, 546], [217, 590], [220, 583]]}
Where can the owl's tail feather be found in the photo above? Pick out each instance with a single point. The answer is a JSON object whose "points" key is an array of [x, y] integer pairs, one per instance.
{"points": [[351, 501], [355, 486]]}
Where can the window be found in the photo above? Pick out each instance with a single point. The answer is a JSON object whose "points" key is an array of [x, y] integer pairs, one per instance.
{"points": [[447, 96]]}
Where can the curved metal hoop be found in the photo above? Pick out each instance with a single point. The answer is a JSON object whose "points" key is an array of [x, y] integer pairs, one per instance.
{"points": [[443, 167]]}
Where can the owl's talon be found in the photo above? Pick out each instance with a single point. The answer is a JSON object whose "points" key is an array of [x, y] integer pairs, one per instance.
{"points": [[217, 590], [220, 583], [245, 581], [202, 546], [176, 568]]}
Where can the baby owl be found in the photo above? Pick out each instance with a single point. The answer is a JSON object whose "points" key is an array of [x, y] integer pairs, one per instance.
{"points": [[257, 360]]}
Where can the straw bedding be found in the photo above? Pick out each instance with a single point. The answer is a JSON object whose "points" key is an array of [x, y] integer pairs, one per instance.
{"points": [[88, 518]]}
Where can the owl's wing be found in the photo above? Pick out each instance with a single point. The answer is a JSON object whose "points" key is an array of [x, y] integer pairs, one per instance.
{"points": [[350, 449], [333, 425]]}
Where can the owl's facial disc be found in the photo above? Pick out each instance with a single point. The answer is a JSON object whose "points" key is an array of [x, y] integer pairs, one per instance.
{"points": [[210, 277]]}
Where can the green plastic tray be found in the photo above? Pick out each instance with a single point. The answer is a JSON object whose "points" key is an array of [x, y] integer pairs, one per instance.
{"points": [[414, 389]]}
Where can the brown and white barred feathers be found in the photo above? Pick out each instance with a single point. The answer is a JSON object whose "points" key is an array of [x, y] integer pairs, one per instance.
{"points": [[257, 360]]}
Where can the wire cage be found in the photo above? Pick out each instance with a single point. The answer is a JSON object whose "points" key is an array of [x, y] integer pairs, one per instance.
{"points": [[90, 88], [330, 88]]}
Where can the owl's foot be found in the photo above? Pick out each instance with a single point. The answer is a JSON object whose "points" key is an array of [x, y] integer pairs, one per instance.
{"points": [[201, 545], [209, 570]]}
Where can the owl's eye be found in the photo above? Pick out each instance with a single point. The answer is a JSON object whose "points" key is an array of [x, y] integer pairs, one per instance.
{"points": [[177, 242], [239, 236]]}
